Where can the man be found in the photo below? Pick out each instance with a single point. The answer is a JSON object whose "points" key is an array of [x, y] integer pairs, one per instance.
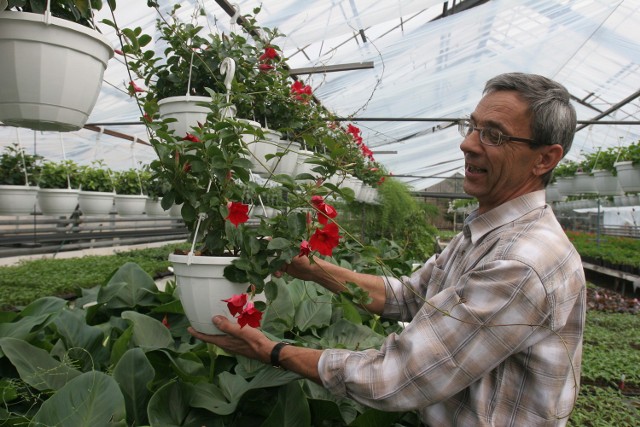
{"points": [[496, 320]]}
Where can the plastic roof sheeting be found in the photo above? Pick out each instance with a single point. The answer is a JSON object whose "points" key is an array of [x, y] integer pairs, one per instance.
{"points": [[424, 68]]}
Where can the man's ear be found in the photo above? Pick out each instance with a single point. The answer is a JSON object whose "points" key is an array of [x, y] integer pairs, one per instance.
{"points": [[548, 157]]}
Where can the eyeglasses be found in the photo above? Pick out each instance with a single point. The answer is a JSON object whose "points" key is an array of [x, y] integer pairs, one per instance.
{"points": [[490, 135]]}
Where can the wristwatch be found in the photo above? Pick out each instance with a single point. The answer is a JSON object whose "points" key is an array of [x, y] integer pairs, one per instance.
{"points": [[275, 354]]}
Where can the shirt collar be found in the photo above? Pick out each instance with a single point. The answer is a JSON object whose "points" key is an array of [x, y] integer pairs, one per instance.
{"points": [[476, 226]]}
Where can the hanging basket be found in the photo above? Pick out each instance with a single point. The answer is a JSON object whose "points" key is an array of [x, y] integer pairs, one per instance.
{"points": [[606, 183], [130, 204], [202, 286], [51, 71], [58, 201], [185, 110], [629, 176], [18, 199], [95, 202]]}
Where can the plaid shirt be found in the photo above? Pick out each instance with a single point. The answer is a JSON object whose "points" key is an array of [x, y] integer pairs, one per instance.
{"points": [[498, 341]]}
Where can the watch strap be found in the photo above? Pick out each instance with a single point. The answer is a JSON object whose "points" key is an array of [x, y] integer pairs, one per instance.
{"points": [[275, 354]]}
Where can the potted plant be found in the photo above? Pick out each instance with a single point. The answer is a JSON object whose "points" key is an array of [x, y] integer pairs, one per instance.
{"points": [[211, 171], [46, 46], [602, 165], [130, 198], [59, 187], [19, 173], [154, 188], [564, 174], [96, 189], [628, 168]]}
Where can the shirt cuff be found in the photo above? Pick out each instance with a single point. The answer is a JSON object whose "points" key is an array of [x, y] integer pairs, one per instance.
{"points": [[331, 370]]}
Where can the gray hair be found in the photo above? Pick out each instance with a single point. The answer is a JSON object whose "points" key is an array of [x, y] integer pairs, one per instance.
{"points": [[553, 118]]}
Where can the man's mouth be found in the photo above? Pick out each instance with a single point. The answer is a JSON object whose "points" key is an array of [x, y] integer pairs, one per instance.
{"points": [[475, 169]]}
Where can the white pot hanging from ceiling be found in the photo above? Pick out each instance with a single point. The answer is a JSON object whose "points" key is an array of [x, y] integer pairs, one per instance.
{"points": [[606, 184], [629, 176], [58, 201], [51, 71], [186, 111], [18, 199]]}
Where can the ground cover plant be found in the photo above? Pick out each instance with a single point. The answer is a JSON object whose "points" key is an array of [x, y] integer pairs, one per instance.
{"points": [[129, 339]]}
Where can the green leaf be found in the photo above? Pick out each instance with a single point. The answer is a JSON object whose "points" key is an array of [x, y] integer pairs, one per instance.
{"points": [[169, 406], [279, 314], [279, 243], [344, 334], [132, 287], [375, 418], [84, 341], [35, 366], [89, 400], [313, 313], [291, 409], [133, 374], [148, 333]]}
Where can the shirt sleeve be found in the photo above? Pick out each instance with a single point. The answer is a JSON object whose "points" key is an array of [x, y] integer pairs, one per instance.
{"points": [[456, 337]]}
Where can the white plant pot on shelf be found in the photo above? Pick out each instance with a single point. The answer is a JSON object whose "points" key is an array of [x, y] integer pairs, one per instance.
{"points": [[153, 208], [628, 176], [260, 148], [130, 204], [606, 184], [95, 202], [583, 183], [201, 287], [18, 199], [51, 71], [58, 201], [185, 110]]}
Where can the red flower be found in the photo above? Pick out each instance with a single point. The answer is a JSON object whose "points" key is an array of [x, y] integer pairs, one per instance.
{"points": [[353, 130], [118, 51], [305, 249], [191, 137], [165, 321], [186, 167], [300, 91], [325, 239], [236, 303], [325, 211], [147, 118], [133, 88], [250, 316], [238, 213], [269, 54], [266, 67], [381, 180]]}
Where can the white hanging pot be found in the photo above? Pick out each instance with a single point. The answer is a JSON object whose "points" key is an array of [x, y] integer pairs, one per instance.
{"points": [[565, 185], [583, 183], [628, 176], [58, 201], [51, 71], [552, 193], [286, 163], [95, 202], [261, 148], [176, 211], [153, 208], [130, 204], [185, 110], [202, 287], [606, 184], [18, 199]]}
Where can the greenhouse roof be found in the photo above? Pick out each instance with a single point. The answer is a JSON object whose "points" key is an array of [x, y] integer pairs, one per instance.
{"points": [[430, 63]]}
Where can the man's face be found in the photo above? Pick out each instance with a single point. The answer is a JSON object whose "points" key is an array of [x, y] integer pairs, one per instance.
{"points": [[497, 174]]}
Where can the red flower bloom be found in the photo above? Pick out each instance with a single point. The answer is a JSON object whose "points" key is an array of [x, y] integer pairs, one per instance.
{"points": [[305, 249], [191, 137], [353, 130], [250, 316], [236, 303], [186, 167], [325, 211], [269, 54], [325, 239], [266, 67], [133, 88], [147, 118], [165, 321], [381, 180], [238, 213], [300, 91], [118, 51]]}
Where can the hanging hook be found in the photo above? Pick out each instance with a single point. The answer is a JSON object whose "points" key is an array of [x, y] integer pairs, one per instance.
{"points": [[234, 18], [228, 69]]}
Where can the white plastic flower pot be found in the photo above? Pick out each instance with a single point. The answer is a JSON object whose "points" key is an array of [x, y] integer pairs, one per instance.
{"points": [[18, 199], [130, 204], [606, 184], [583, 183], [287, 163], [261, 148], [58, 201], [153, 208], [201, 287], [186, 111], [629, 176], [95, 202], [51, 71]]}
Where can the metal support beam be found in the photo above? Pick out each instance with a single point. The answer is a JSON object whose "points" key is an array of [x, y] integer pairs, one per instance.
{"points": [[332, 68]]}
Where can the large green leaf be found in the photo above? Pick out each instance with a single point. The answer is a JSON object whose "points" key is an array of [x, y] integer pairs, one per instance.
{"points": [[46, 305], [138, 290], [82, 340], [291, 409], [278, 316], [148, 333], [32, 319], [169, 406], [313, 313], [133, 374], [89, 400], [35, 366]]}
